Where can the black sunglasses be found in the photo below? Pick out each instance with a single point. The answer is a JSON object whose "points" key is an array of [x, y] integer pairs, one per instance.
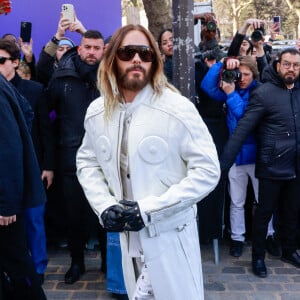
{"points": [[127, 53], [4, 59]]}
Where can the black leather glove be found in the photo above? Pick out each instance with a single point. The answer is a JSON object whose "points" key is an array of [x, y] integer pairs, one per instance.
{"points": [[132, 215], [113, 219]]}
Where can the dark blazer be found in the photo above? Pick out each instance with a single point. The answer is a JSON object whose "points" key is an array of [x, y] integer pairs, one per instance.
{"points": [[20, 181]]}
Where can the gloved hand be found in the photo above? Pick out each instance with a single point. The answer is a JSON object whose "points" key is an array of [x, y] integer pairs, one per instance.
{"points": [[113, 219], [132, 215]]}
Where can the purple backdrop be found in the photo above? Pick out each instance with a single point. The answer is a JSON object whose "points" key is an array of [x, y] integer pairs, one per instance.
{"points": [[102, 15]]}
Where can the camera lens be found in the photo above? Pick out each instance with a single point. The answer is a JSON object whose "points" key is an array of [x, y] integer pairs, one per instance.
{"points": [[211, 26], [230, 75]]}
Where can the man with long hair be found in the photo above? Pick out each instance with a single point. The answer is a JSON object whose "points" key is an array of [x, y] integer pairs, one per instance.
{"points": [[145, 161]]}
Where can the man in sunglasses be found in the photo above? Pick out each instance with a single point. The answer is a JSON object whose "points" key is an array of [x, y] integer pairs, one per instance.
{"points": [[71, 89], [273, 113], [42, 137], [20, 188], [145, 161]]}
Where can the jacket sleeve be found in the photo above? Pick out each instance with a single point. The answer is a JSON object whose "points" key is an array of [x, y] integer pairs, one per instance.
{"points": [[236, 105], [210, 83], [91, 177], [44, 67], [234, 48], [11, 160], [246, 125]]}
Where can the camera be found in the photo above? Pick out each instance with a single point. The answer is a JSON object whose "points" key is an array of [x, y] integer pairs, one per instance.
{"points": [[210, 25], [201, 56], [258, 34], [230, 75]]}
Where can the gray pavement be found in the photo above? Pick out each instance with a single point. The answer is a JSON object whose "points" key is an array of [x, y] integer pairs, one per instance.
{"points": [[231, 279]]}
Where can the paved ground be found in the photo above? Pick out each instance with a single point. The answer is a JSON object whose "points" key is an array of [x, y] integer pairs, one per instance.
{"points": [[231, 279]]}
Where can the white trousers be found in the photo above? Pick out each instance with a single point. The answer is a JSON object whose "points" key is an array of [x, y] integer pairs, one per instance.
{"points": [[143, 290], [238, 180]]}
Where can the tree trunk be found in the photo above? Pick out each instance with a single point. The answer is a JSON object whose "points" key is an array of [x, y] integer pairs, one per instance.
{"points": [[159, 14], [183, 46]]}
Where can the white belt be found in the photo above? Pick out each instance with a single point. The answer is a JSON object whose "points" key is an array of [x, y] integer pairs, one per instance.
{"points": [[176, 222]]}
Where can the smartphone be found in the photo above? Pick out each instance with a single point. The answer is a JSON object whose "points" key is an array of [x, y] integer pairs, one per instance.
{"points": [[276, 20], [68, 11], [25, 32]]}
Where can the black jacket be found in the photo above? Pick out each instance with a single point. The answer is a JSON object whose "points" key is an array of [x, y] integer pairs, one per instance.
{"points": [[20, 180], [41, 131], [71, 90], [274, 113], [45, 67]]}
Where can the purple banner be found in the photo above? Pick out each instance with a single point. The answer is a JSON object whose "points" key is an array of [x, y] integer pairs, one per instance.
{"points": [[102, 15]]}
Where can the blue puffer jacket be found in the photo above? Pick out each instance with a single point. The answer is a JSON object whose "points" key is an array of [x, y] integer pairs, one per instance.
{"points": [[236, 103]]}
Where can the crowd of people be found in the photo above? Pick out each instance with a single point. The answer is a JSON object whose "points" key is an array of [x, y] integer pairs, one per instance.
{"points": [[99, 144]]}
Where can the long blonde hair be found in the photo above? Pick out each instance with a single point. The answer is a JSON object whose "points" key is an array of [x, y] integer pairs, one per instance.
{"points": [[107, 80]]}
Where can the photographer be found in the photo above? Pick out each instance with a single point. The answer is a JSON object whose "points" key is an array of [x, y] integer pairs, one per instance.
{"points": [[244, 45], [231, 82]]}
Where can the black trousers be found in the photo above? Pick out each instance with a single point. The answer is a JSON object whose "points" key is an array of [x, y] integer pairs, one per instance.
{"points": [[19, 278], [281, 196], [81, 219]]}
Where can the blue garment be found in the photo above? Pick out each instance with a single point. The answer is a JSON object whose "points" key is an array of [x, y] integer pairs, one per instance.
{"points": [[236, 103], [36, 236], [114, 276]]}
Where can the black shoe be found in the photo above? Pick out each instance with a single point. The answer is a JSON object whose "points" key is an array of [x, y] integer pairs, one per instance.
{"points": [[236, 248], [74, 273], [259, 268], [273, 246], [292, 258], [41, 278], [120, 296]]}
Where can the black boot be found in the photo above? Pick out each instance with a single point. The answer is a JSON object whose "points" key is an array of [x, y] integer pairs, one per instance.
{"points": [[74, 273]]}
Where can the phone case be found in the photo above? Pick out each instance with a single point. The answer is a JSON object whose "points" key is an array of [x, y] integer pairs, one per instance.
{"points": [[276, 19], [25, 32], [68, 11]]}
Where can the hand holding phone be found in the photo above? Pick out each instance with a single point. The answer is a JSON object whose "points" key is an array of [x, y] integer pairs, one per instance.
{"points": [[25, 32], [276, 20], [68, 11]]}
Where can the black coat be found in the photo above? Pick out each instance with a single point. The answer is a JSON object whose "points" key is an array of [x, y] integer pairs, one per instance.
{"points": [[71, 90], [45, 67], [274, 114], [20, 181], [41, 130]]}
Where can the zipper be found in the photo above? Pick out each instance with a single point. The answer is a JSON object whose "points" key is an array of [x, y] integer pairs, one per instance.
{"points": [[120, 133]]}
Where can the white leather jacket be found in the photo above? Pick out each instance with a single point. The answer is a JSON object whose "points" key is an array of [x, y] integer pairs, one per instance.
{"points": [[172, 158]]}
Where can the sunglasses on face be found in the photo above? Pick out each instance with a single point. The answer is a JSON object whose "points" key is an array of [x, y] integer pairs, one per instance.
{"points": [[4, 59], [127, 53]]}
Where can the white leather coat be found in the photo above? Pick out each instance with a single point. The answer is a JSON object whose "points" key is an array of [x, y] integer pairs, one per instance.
{"points": [[173, 165]]}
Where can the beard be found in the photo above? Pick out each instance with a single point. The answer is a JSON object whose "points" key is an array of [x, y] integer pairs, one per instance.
{"points": [[136, 82], [288, 78]]}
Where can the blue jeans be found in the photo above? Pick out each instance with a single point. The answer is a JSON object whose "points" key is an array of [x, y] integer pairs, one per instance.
{"points": [[36, 236], [114, 277]]}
